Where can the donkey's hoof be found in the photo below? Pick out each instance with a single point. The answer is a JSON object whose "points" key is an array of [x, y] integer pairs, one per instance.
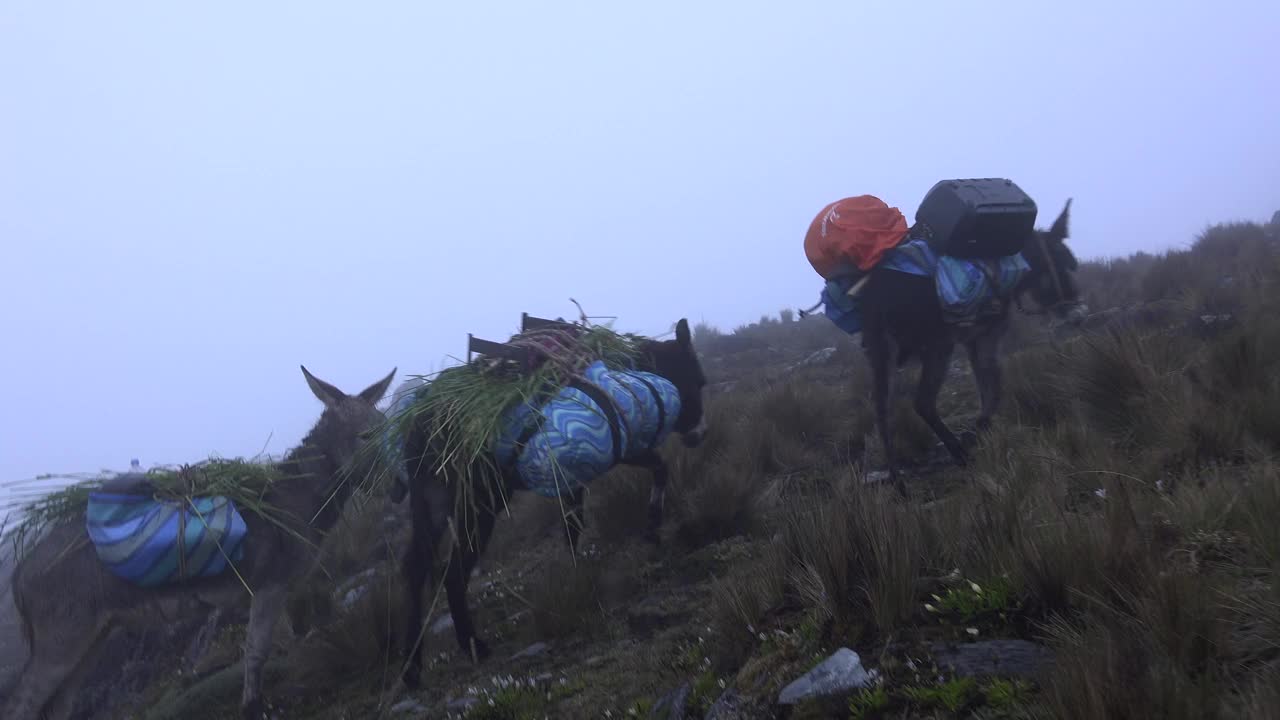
{"points": [[255, 709], [901, 486], [478, 650]]}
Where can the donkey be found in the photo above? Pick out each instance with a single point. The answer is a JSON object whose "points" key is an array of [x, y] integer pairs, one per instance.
{"points": [[433, 509], [901, 311], [68, 600]]}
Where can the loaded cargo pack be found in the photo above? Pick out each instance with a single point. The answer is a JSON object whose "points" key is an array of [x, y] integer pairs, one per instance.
{"points": [[849, 236], [976, 218]]}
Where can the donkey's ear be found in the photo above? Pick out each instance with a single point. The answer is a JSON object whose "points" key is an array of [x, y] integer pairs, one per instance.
{"points": [[374, 392], [327, 393], [1058, 232], [683, 336]]}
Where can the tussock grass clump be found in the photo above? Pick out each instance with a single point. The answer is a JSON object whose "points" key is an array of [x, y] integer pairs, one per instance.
{"points": [[857, 557], [760, 440], [359, 644], [567, 597], [740, 602]]}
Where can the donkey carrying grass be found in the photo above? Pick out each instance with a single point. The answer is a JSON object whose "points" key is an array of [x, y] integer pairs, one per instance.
{"points": [[669, 370], [68, 600], [901, 311]]}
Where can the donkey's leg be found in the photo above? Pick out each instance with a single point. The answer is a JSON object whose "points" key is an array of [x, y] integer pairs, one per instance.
{"points": [[657, 494], [265, 609], [877, 347], [984, 359], [465, 553], [933, 373], [415, 567], [45, 682], [575, 519], [64, 698]]}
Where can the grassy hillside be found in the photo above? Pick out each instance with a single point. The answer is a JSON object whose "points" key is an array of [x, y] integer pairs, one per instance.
{"points": [[1120, 522]]}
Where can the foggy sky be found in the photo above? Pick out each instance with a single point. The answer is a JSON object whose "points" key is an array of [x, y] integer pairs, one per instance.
{"points": [[196, 200]]}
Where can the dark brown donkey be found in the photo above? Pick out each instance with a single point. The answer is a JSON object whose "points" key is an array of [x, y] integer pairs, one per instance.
{"points": [[901, 313], [433, 507], [69, 601]]}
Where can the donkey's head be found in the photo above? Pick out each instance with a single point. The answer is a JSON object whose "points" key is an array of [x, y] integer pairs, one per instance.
{"points": [[1051, 281], [677, 361], [345, 424]]}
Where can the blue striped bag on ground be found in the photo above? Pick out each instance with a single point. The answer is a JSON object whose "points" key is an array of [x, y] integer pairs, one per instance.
{"points": [[151, 542], [573, 441]]}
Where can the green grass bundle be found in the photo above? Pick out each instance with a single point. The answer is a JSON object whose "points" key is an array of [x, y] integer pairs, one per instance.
{"points": [[462, 409], [245, 483]]}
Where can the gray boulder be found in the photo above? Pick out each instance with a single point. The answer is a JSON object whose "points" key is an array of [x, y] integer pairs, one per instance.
{"points": [[841, 672]]}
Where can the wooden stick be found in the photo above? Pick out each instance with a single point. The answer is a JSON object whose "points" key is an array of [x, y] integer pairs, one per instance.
{"points": [[857, 287]]}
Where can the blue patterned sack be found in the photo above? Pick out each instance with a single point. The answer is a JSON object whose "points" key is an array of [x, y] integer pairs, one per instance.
{"points": [[570, 440], [152, 542], [963, 286], [839, 307]]}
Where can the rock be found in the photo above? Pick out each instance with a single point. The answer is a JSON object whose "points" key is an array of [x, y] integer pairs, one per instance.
{"points": [[354, 588], [353, 596], [729, 706], [409, 706], [992, 657], [841, 672], [1210, 325], [722, 387], [875, 477], [672, 705], [646, 619], [444, 624], [818, 358], [462, 704], [533, 650]]}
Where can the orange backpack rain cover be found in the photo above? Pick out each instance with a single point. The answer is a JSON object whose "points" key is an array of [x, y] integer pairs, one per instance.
{"points": [[855, 231]]}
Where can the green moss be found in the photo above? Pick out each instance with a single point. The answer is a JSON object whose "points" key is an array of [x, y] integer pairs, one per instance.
{"points": [[950, 696], [867, 703], [971, 600]]}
